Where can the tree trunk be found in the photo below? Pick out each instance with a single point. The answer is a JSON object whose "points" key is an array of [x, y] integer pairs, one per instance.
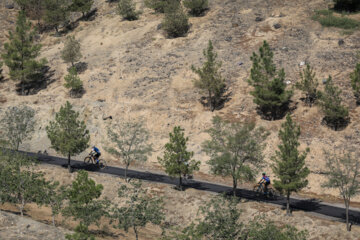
{"points": [[136, 233], [211, 102], [22, 205], [288, 213], [53, 220], [180, 182], [234, 186], [347, 204], [126, 169], [69, 166]]}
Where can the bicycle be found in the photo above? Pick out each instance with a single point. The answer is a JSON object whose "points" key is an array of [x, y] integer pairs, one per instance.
{"points": [[259, 188], [90, 160]]}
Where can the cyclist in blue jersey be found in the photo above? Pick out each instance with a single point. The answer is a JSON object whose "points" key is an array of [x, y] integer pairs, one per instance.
{"points": [[266, 181], [95, 152]]}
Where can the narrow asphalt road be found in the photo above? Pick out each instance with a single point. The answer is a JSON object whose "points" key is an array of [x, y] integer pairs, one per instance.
{"points": [[310, 205]]}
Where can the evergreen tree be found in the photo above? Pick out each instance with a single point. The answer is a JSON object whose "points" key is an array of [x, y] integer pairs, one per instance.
{"points": [[177, 161], [355, 83], [56, 13], [197, 7], [21, 53], [68, 135], [126, 8], [82, 6], [132, 142], [176, 22], [159, 5], [139, 209], [269, 92], [343, 173], [289, 163], [73, 82], [235, 150], [308, 84], [81, 233], [17, 125], [336, 115], [210, 80], [84, 204], [71, 52]]}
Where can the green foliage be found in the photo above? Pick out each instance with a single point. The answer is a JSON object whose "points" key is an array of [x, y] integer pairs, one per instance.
{"points": [[72, 50], [355, 83], [82, 6], [235, 149], [343, 171], [336, 115], [127, 9], [160, 5], [139, 210], [81, 233], [73, 82], [83, 200], [197, 7], [289, 163], [17, 125], [210, 80], [67, 134], [308, 84], [177, 161], [176, 22], [328, 19], [132, 142], [56, 13], [269, 92], [21, 53], [348, 5]]}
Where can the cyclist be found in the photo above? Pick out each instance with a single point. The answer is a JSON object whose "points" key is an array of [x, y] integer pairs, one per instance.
{"points": [[266, 180], [95, 152]]}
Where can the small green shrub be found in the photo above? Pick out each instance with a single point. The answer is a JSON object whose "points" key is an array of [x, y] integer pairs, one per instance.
{"points": [[73, 82], [126, 8], [176, 22], [197, 7], [327, 19], [160, 5]]}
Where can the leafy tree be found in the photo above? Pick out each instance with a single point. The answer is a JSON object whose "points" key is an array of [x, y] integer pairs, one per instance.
{"points": [[21, 53], [126, 8], [177, 161], [176, 22], [343, 172], [73, 82], [308, 84], [81, 233], [235, 149], [210, 80], [83, 203], [56, 13], [82, 6], [355, 83], [289, 163], [71, 52], [139, 210], [132, 142], [336, 115], [197, 7], [17, 125], [269, 92], [67, 134], [159, 5]]}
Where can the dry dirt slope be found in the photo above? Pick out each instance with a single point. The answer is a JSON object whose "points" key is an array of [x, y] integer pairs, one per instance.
{"points": [[135, 72]]}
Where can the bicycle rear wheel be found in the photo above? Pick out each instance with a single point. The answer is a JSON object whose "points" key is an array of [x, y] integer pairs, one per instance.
{"points": [[102, 163], [272, 193], [88, 160], [257, 190]]}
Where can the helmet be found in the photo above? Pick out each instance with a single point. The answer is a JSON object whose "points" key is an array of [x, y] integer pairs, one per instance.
{"points": [[263, 173]]}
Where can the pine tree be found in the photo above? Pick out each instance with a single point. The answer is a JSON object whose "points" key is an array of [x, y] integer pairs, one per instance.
{"points": [[82, 6], [336, 115], [126, 8], [67, 134], [355, 83], [132, 142], [21, 53], [177, 161], [235, 150], [176, 22], [308, 84], [71, 52], [289, 163], [197, 7], [210, 80], [269, 92], [56, 13], [73, 82]]}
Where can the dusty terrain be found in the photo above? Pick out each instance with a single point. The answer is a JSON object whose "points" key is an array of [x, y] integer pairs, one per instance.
{"points": [[134, 71]]}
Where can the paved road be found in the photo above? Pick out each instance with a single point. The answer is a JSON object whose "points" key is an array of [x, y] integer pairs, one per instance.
{"points": [[312, 205]]}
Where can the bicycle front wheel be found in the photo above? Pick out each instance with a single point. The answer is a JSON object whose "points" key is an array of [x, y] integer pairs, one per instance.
{"points": [[103, 163], [88, 160]]}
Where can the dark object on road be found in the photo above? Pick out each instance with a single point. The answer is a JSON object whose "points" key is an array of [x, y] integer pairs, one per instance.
{"points": [[277, 25]]}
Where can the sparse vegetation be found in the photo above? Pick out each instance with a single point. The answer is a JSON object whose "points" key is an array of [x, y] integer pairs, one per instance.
{"points": [[327, 19], [71, 52], [269, 92], [336, 114], [197, 7], [177, 161], [160, 5], [82, 6], [210, 80], [308, 84], [289, 164], [175, 23], [73, 82], [126, 8], [355, 82], [235, 150], [56, 13]]}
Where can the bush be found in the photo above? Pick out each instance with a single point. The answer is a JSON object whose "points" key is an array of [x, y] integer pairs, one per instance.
{"points": [[327, 19], [197, 7], [348, 5], [127, 10], [175, 23], [73, 82], [160, 5]]}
